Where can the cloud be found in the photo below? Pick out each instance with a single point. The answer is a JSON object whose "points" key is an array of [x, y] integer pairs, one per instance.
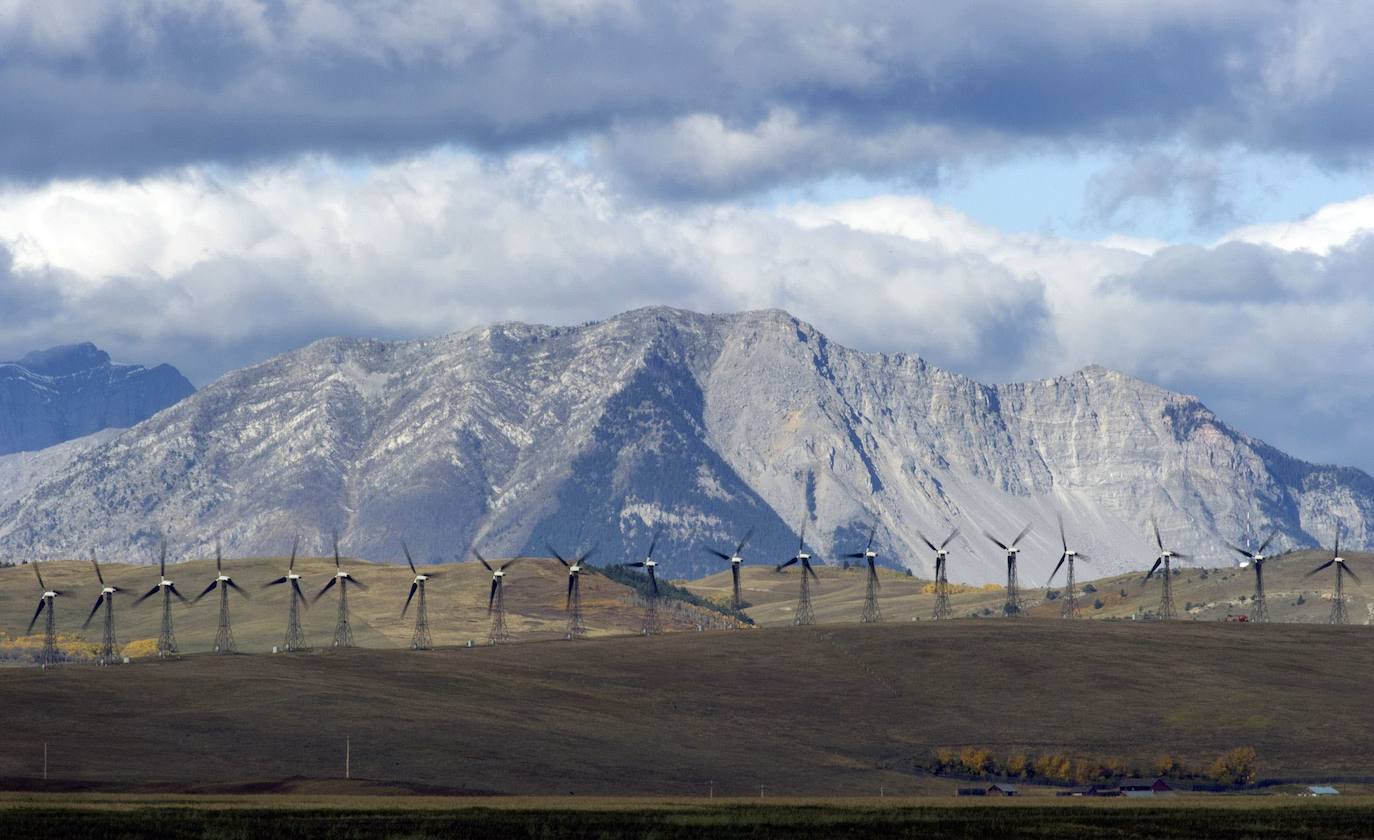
{"points": [[697, 100], [1158, 180], [212, 270]]}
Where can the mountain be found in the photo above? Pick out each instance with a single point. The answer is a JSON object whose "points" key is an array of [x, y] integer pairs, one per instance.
{"points": [[513, 436], [52, 396]]}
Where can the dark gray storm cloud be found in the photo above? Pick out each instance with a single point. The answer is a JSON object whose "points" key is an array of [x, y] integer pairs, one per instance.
{"points": [[786, 90]]}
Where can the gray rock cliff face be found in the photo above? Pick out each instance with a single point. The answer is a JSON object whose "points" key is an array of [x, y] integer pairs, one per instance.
{"points": [[52, 396], [513, 436]]}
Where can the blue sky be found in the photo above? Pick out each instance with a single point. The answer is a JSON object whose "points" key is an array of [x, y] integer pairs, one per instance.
{"points": [[1010, 189]]}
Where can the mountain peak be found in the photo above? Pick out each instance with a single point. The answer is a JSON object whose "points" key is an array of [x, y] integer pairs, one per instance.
{"points": [[64, 360]]}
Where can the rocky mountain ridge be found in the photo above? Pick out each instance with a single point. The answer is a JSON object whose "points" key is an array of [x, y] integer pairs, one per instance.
{"points": [[514, 436], [56, 395]]}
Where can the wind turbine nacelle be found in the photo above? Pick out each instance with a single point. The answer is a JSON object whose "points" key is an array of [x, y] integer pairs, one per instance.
{"points": [[164, 583], [49, 595], [803, 556], [496, 574], [870, 555], [109, 590], [650, 563], [736, 560], [341, 574], [421, 578], [223, 579], [292, 576]]}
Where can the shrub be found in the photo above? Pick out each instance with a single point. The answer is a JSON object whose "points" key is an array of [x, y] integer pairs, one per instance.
{"points": [[1097, 605], [1088, 588]]}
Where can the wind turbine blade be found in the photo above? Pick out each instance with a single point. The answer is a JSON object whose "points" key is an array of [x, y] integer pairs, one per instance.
{"points": [[276, 582], [556, 555], [297, 593], [509, 563], [572, 581], [1020, 536], [179, 596], [405, 550], [999, 543], [42, 602], [638, 565], [1242, 552], [207, 590], [162, 559], [413, 587], [238, 589], [586, 554], [146, 595], [858, 555], [336, 549], [653, 543], [719, 554], [351, 579], [747, 536], [1159, 561], [1319, 568], [327, 587], [483, 560], [295, 544], [98, 575], [1351, 572], [782, 566], [1269, 539], [949, 539], [41, 585], [1062, 558], [491, 596], [1062, 538], [927, 541], [801, 537], [653, 580], [871, 533], [1154, 523], [1178, 556], [806, 568], [98, 602], [219, 559]]}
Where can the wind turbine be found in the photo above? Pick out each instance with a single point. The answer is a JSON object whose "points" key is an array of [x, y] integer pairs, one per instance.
{"points": [[576, 629], [803, 615], [49, 655], [343, 632], [1338, 615], [942, 610], [109, 646], [872, 614], [1013, 605], [1166, 600], [1070, 608], [419, 640], [735, 560], [166, 639], [295, 598], [1256, 558], [224, 636], [496, 599], [648, 564]]}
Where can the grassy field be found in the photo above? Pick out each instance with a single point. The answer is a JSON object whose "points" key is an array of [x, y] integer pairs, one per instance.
{"points": [[1200, 594], [535, 596], [523, 818], [826, 710]]}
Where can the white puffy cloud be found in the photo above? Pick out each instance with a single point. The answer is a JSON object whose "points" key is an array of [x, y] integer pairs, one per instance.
{"points": [[210, 268]]}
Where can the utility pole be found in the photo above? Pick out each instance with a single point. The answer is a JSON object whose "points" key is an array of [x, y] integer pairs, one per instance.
{"points": [[348, 757]]}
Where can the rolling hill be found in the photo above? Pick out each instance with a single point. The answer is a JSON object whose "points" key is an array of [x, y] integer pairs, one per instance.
{"points": [[824, 710]]}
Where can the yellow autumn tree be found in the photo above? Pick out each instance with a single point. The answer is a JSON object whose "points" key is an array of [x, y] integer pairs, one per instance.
{"points": [[1237, 767]]}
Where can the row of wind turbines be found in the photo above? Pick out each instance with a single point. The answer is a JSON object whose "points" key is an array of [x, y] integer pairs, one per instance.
{"points": [[107, 651]]}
